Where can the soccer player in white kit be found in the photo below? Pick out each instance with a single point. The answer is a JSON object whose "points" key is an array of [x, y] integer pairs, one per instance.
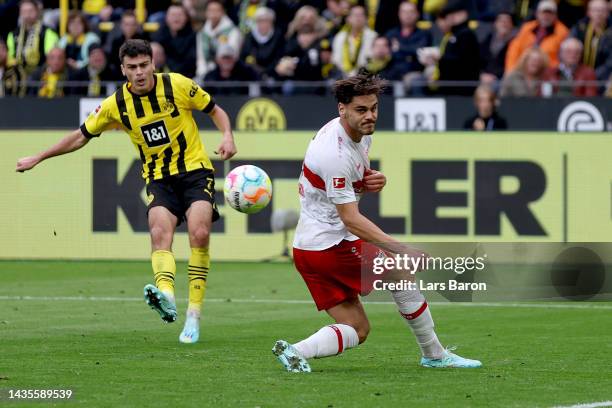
{"points": [[329, 246]]}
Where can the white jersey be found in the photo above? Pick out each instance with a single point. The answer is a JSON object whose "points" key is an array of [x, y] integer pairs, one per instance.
{"points": [[332, 174]]}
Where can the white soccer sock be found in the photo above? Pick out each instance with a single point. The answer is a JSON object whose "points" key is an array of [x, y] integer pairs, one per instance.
{"points": [[413, 308], [328, 341]]}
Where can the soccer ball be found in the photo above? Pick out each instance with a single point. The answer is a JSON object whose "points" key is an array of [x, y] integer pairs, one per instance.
{"points": [[247, 189]]}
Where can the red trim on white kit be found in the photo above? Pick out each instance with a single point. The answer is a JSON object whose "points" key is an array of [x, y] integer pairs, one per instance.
{"points": [[412, 316], [340, 341]]}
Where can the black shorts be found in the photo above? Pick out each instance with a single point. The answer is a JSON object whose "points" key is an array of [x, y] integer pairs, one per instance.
{"points": [[178, 192]]}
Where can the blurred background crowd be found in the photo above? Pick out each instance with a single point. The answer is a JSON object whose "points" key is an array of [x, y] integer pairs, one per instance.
{"points": [[53, 48]]}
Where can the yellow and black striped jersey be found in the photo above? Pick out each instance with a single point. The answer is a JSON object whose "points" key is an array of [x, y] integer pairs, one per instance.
{"points": [[160, 124]]}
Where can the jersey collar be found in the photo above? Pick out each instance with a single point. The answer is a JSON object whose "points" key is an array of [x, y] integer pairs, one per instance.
{"points": [[152, 91]]}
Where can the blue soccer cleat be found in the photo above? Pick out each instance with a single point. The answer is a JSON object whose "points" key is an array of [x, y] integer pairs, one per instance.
{"points": [[450, 360], [191, 330], [290, 358], [160, 303]]}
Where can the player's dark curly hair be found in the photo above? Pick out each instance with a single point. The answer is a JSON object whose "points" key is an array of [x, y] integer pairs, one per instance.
{"points": [[134, 48], [364, 83]]}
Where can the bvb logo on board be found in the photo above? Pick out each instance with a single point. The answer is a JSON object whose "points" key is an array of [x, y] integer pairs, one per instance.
{"points": [[261, 114]]}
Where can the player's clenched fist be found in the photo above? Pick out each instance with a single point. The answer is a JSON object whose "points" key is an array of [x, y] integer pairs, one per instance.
{"points": [[374, 181], [26, 163], [227, 149]]}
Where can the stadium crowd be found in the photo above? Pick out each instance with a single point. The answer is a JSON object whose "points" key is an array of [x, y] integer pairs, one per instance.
{"points": [[448, 47]]}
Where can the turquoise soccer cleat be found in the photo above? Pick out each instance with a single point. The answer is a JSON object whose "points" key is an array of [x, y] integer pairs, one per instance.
{"points": [[160, 303], [191, 331], [290, 358], [450, 360]]}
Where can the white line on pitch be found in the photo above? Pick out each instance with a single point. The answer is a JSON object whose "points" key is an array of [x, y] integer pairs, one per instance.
{"points": [[306, 302], [588, 405]]}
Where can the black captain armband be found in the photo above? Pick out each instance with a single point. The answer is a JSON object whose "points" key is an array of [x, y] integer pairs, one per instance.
{"points": [[86, 132], [211, 105]]}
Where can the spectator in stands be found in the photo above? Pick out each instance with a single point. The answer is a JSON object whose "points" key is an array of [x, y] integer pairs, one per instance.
{"points": [[156, 10], [429, 57], [595, 32], [77, 41], [51, 77], [494, 48], [381, 62], [229, 68], [304, 33], [528, 77], [246, 13], [306, 19], [197, 12], [159, 58], [546, 32], [314, 65], [352, 46], [459, 51], [217, 30], [112, 10], [572, 77], [10, 75], [486, 117], [406, 39], [334, 15], [95, 73], [569, 10], [264, 45], [329, 71], [439, 29], [127, 29], [179, 41], [31, 41], [310, 63], [322, 67], [382, 15], [302, 43]]}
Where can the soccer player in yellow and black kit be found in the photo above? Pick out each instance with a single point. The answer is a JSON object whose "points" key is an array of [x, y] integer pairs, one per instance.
{"points": [[155, 110]]}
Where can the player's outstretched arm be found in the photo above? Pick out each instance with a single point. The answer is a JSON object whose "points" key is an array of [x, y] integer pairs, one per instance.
{"points": [[365, 229], [69, 143], [227, 148], [360, 225]]}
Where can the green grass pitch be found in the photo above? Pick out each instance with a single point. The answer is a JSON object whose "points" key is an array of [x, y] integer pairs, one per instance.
{"points": [[115, 352]]}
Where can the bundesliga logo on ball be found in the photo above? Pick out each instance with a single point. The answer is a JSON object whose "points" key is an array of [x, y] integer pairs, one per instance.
{"points": [[247, 189]]}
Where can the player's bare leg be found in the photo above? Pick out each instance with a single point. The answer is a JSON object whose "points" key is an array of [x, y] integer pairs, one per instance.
{"points": [[351, 313], [162, 224], [199, 223], [351, 329]]}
